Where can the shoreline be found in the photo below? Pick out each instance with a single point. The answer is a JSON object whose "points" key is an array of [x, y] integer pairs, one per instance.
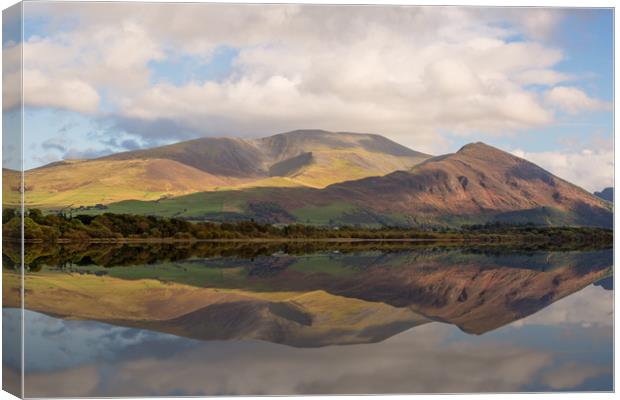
{"points": [[484, 240], [249, 240]]}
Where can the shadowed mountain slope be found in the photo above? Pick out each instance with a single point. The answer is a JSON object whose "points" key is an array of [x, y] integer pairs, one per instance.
{"points": [[606, 194], [220, 156]]}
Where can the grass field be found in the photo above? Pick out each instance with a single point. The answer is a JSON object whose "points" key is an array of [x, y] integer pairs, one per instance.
{"points": [[226, 205], [190, 206], [323, 215]]}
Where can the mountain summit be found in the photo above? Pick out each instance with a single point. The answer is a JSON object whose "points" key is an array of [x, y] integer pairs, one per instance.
{"points": [[304, 158], [248, 158]]}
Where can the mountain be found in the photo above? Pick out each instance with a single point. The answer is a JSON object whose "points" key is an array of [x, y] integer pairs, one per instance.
{"points": [[311, 158], [606, 194], [478, 180], [477, 184]]}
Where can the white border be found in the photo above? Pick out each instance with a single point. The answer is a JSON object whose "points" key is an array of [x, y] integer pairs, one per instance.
{"points": [[509, 3]]}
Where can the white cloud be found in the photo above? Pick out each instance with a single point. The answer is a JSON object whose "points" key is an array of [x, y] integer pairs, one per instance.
{"points": [[70, 69], [592, 169], [406, 72], [542, 77], [73, 94], [540, 22], [571, 374], [573, 100], [591, 307], [11, 75], [418, 361]]}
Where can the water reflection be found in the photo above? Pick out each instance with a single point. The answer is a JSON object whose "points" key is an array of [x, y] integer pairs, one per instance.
{"points": [[335, 320]]}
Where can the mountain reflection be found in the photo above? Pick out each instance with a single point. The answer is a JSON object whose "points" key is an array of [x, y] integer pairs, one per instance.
{"points": [[566, 346], [308, 318], [302, 295]]}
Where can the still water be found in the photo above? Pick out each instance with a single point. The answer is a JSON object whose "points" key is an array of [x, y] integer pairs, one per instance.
{"points": [[155, 321]]}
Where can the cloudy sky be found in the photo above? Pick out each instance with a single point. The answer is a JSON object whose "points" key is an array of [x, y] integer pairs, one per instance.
{"points": [[108, 77]]}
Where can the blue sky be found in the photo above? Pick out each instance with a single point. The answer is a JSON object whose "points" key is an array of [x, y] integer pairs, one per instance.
{"points": [[587, 41], [108, 77]]}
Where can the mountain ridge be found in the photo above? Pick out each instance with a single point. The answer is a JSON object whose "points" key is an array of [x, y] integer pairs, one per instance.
{"points": [[311, 158], [273, 148]]}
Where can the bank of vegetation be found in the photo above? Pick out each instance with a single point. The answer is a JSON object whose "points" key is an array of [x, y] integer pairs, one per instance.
{"points": [[109, 227]]}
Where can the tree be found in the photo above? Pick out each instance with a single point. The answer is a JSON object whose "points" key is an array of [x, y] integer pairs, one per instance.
{"points": [[32, 230], [36, 215], [8, 214]]}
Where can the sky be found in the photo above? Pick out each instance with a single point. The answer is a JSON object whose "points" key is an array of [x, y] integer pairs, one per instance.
{"points": [[108, 77]]}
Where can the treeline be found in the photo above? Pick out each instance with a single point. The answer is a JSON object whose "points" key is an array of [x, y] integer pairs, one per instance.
{"points": [[39, 227], [52, 227], [541, 237]]}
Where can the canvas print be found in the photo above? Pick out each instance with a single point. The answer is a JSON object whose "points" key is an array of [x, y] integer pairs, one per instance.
{"points": [[284, 199]]}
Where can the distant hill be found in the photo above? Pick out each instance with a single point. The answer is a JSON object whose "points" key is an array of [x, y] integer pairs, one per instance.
{"points": [[477, 184], [606, 194], [310, 158]]}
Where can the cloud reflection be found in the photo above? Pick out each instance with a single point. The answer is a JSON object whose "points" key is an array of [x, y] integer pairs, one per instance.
{"points": [[430, 358]]}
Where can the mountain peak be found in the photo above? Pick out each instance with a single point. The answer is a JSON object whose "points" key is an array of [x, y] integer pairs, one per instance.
{"points": [[312, 133], [477, 147], [306, 132], [293, 143], [483, 151]]}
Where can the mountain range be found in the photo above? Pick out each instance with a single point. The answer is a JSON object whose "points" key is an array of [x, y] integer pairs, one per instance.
{"points": [[317, 177]]}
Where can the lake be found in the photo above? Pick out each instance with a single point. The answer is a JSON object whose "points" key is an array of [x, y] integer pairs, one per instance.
{"points": [[309, 318]]}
